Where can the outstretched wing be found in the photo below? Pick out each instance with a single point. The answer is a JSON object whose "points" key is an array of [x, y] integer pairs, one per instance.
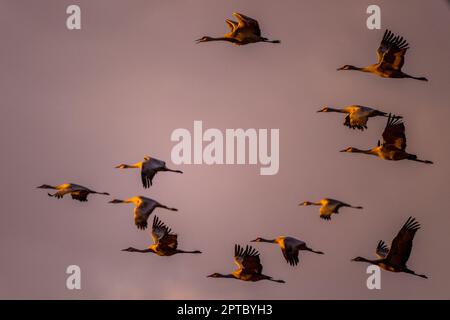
{"points": [[247, 260], [80, 195], [141, 216], [147, 176], [247, 22], [290, 253], [149, 169], [356, 118], [326, 212], [162, 235], [402, 244], [394, 133], [354, 123], [391, 53], [59, 194], [231, 24], [382, 249]]}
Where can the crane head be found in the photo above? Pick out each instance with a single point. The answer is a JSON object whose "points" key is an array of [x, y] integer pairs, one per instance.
{"points": [[347, 67]]}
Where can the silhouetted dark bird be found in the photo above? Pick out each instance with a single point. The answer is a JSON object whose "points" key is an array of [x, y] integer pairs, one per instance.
{"points": [[395, 258], [165, 242], [249, 266]]}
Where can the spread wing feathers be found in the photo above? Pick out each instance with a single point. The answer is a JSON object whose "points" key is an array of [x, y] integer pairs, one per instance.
{"points": [[290, 253], [326, 212], [394, 133], [402, 244], [355, 123], [147, 176], [150, 167], [141, 217], [247, 260], [247, 22], [391, 52], [231, 24], [59, 194], [162, 235], [382, 249], [80, 195]]}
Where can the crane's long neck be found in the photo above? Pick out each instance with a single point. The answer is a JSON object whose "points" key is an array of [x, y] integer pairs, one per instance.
{"points": [[362, 259], [309, 203], [130, 166], [47, 186], [336, 110], [135, 201], [367, 151], [268, 240], [229, 276], [131, 249], [229, 39]]}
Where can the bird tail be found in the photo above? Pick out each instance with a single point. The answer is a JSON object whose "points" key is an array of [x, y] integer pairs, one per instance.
{"points": [[193, 251], [279, 281], [271, 41], [171, 170], [104, 193], [413, 157], [168, 208], [318, 252]]}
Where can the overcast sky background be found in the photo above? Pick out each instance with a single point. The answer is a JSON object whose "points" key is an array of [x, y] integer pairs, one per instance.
{"points": [[76, 103]]}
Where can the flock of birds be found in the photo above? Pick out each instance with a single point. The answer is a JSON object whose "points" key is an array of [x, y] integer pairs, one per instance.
{"points": [[391, 56]]}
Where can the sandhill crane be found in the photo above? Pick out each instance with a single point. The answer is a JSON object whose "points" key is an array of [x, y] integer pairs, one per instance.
{"points": [[77, 192], [249, 266], [143, 209], [290, 247], [357, 116], [394, 143], [165, 242], [391, 56], [149, 167], [243, 32], [395, 258], [328, 207]]}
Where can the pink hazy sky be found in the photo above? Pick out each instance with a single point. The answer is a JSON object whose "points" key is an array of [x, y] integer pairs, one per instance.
{"points": [[77, 103]]}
